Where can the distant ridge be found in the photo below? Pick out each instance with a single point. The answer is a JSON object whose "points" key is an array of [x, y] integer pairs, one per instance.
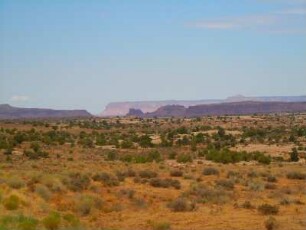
{"points": [[230, 108], [10, 112], [122, 108]]}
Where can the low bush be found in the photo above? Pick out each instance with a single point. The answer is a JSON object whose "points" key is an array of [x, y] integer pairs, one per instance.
{"points": [[203, 194], [53, 184], [85, 205], [271, 223], [271, 179], [130, 173], [184, 158], [270, 186], [52, 221], [165, 183], [267, 209], [252, 174], [176, 173], [77, 182], [256, 186], [181, 205], [15, 182], [27, 223], [106, 178], [127, 192], [35, 155], [296, 175], [285, 201], [227, 184], [154, 156], [147, 174], [210, 171], [120, 176], [161, 226], [140, 180], [72, 220], [43, 192], [12, 202], [19, 222], [139, 203], [226, 156], [247, 205], [111, 156]]}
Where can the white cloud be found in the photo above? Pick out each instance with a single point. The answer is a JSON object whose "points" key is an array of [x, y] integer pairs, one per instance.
{"points": [[19, 98], [285, 21], [214, 25], [236, 22]]}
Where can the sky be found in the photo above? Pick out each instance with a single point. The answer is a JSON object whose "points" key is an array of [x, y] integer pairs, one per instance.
{"points": [[73, 54]]}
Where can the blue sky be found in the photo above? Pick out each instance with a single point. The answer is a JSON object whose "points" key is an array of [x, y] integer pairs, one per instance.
{"points": [[84, 54]]}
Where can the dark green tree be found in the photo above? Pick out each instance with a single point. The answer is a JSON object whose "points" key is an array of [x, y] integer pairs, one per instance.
{"points": [[294, 155]]}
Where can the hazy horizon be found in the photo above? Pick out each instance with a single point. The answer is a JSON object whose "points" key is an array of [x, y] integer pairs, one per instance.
{"points": [[85, 54]]}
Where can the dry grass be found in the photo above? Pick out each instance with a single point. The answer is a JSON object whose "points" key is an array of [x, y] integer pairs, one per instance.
{"points": [[90, 191]]}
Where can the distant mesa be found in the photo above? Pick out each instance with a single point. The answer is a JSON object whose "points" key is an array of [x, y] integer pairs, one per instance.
{"points": [[10, 112], [230, 108], [135, 112], [123, 108]]}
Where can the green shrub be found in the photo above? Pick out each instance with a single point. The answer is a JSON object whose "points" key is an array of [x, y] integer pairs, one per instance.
{"points": [[263, 159], [52, 221], [12, 202], [184, 158], [226, 156], [267, 209], [111, 156], [27, 223], [145, 141], [72, 220], [294, 155], [154, 156], [210, 171], [172, 155], [161, 226], [140, 159], [126, 144], [19, 222]]}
